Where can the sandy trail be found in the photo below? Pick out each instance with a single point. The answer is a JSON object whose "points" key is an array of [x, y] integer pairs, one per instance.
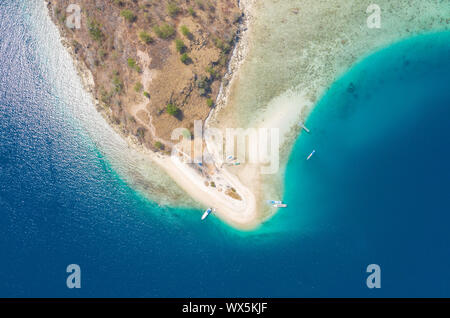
{"points": [[139, 110]]}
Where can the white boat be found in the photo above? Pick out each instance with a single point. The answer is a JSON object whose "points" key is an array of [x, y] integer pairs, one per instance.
{"points": [[207, 213], [311, 154], [304, 127], [274, 202], [280, 205]]}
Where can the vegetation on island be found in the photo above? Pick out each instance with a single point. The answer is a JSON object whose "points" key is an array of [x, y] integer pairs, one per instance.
{"points": [[133, 64], [138, 87], [168, 54], [145, 37], [95, 30], [128, 15], [185, 31], [172, 109], [164, 31], [173, 9], [159, 145]]}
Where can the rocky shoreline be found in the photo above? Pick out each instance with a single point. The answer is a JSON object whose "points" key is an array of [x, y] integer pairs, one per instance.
{"points": [[239, 53]]}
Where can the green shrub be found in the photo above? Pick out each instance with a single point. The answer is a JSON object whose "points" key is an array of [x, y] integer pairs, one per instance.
{"points": [[203, 85], [209, 102], [172, 109], [173, 9], [225, 47], [128, 15], [117, 83], [185, 31], [147, 94], [212, 72], [164, 31], [185, 58], [132, 63], [138, 87], [191, 11], [145, 37], [179, 44], [95, 31], [159, 145]]}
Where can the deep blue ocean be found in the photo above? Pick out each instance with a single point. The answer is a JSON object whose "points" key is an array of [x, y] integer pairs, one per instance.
{"points": [[376, 192]]}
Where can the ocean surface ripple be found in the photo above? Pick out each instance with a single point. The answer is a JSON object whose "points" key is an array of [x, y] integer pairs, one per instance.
{"points": [[376, 191]]}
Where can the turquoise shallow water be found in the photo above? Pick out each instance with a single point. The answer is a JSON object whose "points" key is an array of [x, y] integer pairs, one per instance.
{"points": [[376, 192]]}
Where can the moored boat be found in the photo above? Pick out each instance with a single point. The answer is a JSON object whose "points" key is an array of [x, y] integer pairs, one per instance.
{"points": [[303, 127], [311, 154], [207, 213]]}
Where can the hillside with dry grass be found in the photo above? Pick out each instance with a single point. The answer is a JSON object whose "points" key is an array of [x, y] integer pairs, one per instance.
{"points": [[157, 65]]}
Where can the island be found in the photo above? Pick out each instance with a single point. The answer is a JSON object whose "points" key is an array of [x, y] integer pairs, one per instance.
{"points": [[179, 80]]}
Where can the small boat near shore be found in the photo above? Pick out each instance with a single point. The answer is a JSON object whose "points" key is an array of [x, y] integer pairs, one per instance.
{"points": [[277, 204], [303, 127], [232, 161], [207, 213], [311, 154]]}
